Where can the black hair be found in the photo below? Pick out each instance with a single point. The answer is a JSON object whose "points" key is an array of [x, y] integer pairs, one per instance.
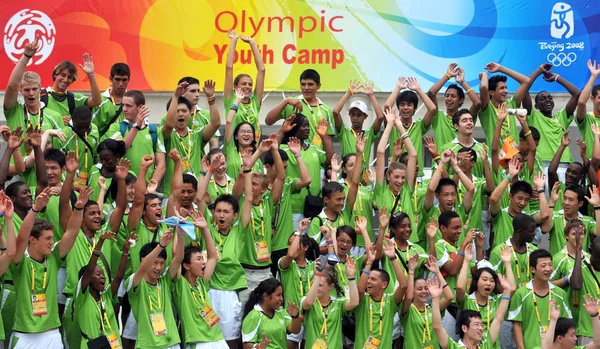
{"points": [[90, 203], [396, 219], [464, 318], [330, 188], [189, 179], [181, 100], [269, 160], [383, 275], [138, 96], [446, 217], [539, 94], [459, 90], [563, 325], [268, 287], [409, 97], [494, 80], [577, 189], [187, 256], [114, 186], [148, 197], [595, 90], [13, 188], [117, 147], [471, 151], [348, 230], [230, 199], [521, 187], [121, 69], [189, 79], [55, 155], [522, 222], [40, 225], [237, 129], [477, 274], [538, 254], [443, 183], [298, 121], [534, 133], [149, 247], [314, 251], [82, 113], [458, 114], [311, 74]]}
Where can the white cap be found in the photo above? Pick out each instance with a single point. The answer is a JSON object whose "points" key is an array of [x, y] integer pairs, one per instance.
{"points": [[360, 105]]}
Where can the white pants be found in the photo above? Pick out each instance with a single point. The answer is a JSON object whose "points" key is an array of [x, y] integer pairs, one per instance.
{"points": [[131, 328], [220, 344], [253, 278], [227, 305], [48, 339]]}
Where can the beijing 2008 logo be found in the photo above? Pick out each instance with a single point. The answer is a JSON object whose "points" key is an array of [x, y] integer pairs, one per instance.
{"points": [[22, 28]]}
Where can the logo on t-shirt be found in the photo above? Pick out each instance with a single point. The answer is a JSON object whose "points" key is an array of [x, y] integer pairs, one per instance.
{"points": [[22, 28]]}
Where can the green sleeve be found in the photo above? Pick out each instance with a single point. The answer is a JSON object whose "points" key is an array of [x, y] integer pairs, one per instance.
{"points": [[514, 311], [250, 328], [80, 99]]}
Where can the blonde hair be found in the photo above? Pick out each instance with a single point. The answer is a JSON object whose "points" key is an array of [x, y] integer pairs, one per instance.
{"points": [[261, 177], [30, 77]]}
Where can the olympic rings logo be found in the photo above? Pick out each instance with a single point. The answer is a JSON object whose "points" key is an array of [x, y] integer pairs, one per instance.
{"points": [[561, 58]]}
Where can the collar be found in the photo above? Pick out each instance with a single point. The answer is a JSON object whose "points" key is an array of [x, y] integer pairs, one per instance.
{"points": [[474, 298], [455, 141], [106, 93], [301, 98], [529, 285], [509, 244], [562, 213]]}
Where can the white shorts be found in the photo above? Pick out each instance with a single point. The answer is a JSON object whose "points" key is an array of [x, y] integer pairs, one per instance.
{"points": [[398, 330], [253, 278], [122, 290], [62, 277], [296, 337], [48, 339], [220, 344], [227, 305], [131, 328]]}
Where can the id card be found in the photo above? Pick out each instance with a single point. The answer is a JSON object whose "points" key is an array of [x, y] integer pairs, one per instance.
{"points": [[543, 329], [257, 136], [428, 347], [158, 324], [185, 164], [372, 343], [262, 252], [317, 141], [81, 180], [209, 315], [38, 304], [113, 341], [319, 344]]}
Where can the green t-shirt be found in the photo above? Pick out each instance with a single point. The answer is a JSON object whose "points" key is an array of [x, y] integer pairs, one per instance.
{"points": [[17, 222], [343, 218], [446, 252], [295, 280], [153, 302], [93, 177], [479, 169], [347, 138], [51, 214], [363, 207], [443, 128], [106, 111], [519, 262], [282, 215], [61, 105], [403, 258], [73, 143], [199, 118], [416, 131], [191, 150], [488, 118], [380, 325], [525, 310], [314, 115], [141, 146], [314, 159], [502, 226], [585, 128], [474, 219], [229, 274], [435, 212], [403, 202], [563, 265], [145, 236], [257, 236], [190, 300], [215, 190], [486, 343], [256, 323], [315, 317], [487, 312], [418, 328], [234, 160], [24, 273], [92, 315], [247, 112], [19, 116], [79, 256], [591, 286], [551, 131], [557, 234]]}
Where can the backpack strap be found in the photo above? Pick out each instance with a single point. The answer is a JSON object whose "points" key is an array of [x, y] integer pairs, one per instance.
{"points": [[154, 134], [44, 96], [71, 102], [114, 118]]}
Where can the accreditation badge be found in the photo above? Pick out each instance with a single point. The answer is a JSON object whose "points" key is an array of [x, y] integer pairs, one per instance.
{"points": [[38, 304], [319, 344], [262, 252], [372, 343], [158, 324]]}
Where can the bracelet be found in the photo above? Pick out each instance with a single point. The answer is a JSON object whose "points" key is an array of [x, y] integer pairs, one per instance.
{"points": [[448, 76], [460, 253], [211, 169], [366, 272], [528, 133], [594, 315], [295, 317], [247, 171], [505, 298], [393, 259], [436, 158], [212, 101], [203, 173], [96, 252], [76, 208], [469, 90], [161, 246], [329, 242], [551, 206], [297, 155], [596, 208], [320, 274], [211, 97], [508, 178], [351, 278], [411, 274], [541, 191], [443, 287], [234, 108], [439, 169], [350, 90], [297, 233], [33, 209], [2, 249], [459, 171], [566, 280], [28, 56], [125, 254], [556, 78]]}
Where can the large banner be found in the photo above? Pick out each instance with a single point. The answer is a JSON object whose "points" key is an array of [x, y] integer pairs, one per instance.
{"points": [[375, 40]]}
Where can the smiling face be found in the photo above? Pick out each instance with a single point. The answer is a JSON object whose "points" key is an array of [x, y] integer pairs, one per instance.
{"points": [[98, 281], [475, 329], [421, 290], [545, 103], [500, 94], [344, 242], [570, 203], [396, 179], [324, 287], [519, 201], [452, 100], [158, 266], [349, 165], [375, 285], [183, 116], [53, 172], [303, 131], [245, 135], [406, 109], [92, 218], [596, 102], [403, 231], [446, 197], [357, 118], [573, 174], [543, 269], [22, 198], [335, 201], [130, 191], [63, 79], [245, 83], [451, 233], [274, 300]]}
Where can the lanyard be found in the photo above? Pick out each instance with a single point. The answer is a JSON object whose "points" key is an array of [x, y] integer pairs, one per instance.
{"points": [[103, 316], [316, 124], [537, 312], [33, 276], [40, 118], [217, 186], [187, 154], [381, 304], [325, 312], [150, 300], [426, 329], [517, 262], [262, 221], [341, 274], [300, 281], [247, 115], [85, 161], [396, 199], [487, 305], [199, 291], [364, 155]]}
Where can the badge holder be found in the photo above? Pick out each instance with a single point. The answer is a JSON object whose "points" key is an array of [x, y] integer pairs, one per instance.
{"points": [[372, 343], [262, 252], [158, 324], [38, 304]]}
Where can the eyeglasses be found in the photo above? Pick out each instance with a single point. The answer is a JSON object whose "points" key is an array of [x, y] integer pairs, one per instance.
{"points": [[344, 242], [246, 132]]}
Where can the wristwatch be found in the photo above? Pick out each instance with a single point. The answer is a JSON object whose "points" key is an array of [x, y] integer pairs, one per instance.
{"points": [[136, 126]]}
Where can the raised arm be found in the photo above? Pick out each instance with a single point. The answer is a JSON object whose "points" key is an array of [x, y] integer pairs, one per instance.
{"points": [[502, 115], [147, 261], [337, 109], [215, 118], [247, 206], [475, 100], [137, 208], [513, 170], [364, 276], [116, 281], [160, 161], [501, 310], [116, 216], [239, 95], [178, 253], [24, 232], [327, 141], [413, 84], [274, 114], [400, 85], [351, 272], [74, 225], [259, 84], [277, 189], [228, 86], [171, 119], [529, 138], [571, 105], [390, 253], [91, 266], [435, 289], [295, 147], [64, 204], [587, 90], [385, 137], [12, 88], [88, 69], [435, 180], [6, 207], [451, 72], [311, 295], [35, 140], [12, 147], [591, 306], [411, 167], [140, 122], [461, 281], [553, 168], [484, 93], [413, 263]]}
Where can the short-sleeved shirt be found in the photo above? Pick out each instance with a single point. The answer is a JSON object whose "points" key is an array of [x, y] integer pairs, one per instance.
{"points": [[524, 309], [443, 128], [79, 256], [591, 286], [435, 212], [215, 190], [296, 280], [551, 131], [402, 202], [367, 325], [563, 265], [145, 236], [486, 343], [282, 215], [257, 233], [191, 150], [26, 271], [17, 222], [314, 159], [363, 207], [314, 319], [488, 118], [190, 300], [519, 262], [92, 315], [446, 252], [85, 155], [502, 226], [61, 104], [257, 323], [147, 302], [474, 219], [200, 118], [106, 111], [229, 274], [342, 218], [18, 115], [314, 114], [403, 258], [487, 312], [418, 328], [247, 112], [416, 131], [585, 128], [94, 175], [557, 234], [51, 214], [347, 138], [234, 160], [479, 169]]}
